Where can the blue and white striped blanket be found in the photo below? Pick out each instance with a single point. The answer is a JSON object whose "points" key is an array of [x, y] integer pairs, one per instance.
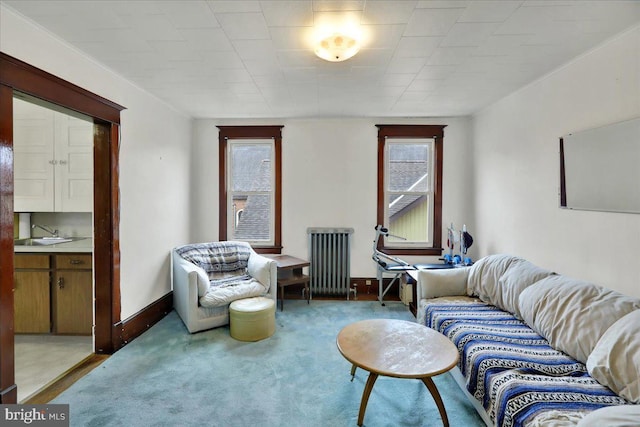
{"points": [[512, 370]]}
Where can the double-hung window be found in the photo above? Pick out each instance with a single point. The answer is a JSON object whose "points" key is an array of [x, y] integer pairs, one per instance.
{"points": [[410, 188], [250, 182]]}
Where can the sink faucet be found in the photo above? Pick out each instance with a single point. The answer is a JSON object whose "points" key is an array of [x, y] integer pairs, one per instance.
{"points": [[53, 233]]}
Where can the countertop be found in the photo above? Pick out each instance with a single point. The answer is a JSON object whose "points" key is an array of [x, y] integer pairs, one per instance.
{"points": [[82, 245]]}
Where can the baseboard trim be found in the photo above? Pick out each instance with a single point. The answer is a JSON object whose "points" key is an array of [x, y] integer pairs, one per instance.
{"points": [[364, 292], [393, 294], [135, 325]]}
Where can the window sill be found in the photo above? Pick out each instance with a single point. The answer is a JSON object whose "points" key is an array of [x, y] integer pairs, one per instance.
{"points": [[268, 249], [412, 251]]}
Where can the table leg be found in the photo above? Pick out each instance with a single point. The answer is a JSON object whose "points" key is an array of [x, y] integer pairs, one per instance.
{"points": [[365, 396], [281, 298], [436, 396], [353, 372]]}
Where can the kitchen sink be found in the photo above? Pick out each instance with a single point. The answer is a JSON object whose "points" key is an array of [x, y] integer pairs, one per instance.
{"points": [[45, 241]]}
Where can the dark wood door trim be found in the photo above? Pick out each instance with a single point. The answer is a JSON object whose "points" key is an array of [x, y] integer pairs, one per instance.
{"points": [[8, 390], [106, 243], [20, 76], [34, 81]]}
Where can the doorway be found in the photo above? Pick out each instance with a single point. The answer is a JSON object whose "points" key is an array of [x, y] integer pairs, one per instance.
{"points": [[53, 207], [16, 75]]}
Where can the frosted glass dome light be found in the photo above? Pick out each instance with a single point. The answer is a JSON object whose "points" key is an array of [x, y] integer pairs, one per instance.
{"points": [[337, 47]]}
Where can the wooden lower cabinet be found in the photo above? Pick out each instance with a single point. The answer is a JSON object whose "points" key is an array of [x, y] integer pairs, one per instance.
{"points": [[73, 295], [31, 296], [32, 302], [57, 299]]}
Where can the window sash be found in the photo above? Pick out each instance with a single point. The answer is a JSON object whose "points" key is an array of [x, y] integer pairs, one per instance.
{"points": [[231, 194], [390, 241]]}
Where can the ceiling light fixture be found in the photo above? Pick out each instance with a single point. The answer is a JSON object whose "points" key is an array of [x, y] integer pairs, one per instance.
{"points": [[337, 47]]}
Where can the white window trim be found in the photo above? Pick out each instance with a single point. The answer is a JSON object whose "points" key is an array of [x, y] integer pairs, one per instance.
{"points": [[231, 217], [430, 193]]}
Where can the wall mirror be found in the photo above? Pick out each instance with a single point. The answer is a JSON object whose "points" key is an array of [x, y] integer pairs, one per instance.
{"points": [[600, 168]]}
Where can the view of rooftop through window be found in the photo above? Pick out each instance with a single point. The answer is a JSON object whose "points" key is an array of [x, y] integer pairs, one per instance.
{"points": [[251, 191], [409, 191]]}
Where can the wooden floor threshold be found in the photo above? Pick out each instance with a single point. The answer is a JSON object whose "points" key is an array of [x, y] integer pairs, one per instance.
{"points": [[66, 380]]}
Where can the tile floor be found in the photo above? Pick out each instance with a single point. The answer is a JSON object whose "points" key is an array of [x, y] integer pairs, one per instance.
{"points": [[40, 359]]}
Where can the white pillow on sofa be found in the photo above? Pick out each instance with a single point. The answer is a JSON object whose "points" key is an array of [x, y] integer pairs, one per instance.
{"points": [[484, 276], [615, 361], [519, 276], [571, 314]]}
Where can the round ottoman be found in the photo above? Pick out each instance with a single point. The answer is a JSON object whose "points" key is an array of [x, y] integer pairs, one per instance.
{"points": [[252, 319]]}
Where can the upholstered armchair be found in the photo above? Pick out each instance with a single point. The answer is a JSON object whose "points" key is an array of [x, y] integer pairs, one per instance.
{"points": [[207, 277]]}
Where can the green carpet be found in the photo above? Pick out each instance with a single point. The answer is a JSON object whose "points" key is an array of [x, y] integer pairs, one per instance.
{"points": [[168, 377]]}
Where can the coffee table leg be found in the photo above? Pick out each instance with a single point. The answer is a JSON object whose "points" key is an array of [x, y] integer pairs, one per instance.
{"points": [[353, 372], [365, 396], [436, 396]]}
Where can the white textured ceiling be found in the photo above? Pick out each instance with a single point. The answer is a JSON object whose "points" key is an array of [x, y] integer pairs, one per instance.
{"points": [[235, 59]]}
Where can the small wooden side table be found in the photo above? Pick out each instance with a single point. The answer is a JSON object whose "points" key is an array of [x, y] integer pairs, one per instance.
{"points": [[290, 273]]}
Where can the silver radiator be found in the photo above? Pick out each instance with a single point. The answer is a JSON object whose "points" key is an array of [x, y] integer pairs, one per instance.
{"points": [[329, 254]]}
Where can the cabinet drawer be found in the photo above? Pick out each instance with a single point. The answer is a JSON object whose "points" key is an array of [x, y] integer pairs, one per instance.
{"points": [[31, 261], [73, 262]]}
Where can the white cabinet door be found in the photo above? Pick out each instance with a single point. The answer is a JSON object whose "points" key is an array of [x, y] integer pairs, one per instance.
{"points": [[53, 160], [74, 168], [33, 135]]}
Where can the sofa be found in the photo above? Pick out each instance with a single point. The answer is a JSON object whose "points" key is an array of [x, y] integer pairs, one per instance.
{"points": [[537, 348], [207, 277]]}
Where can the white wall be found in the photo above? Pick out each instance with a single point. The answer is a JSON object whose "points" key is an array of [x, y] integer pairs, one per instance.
{"points": [[329, 179], [154, 159], [516, 181]]}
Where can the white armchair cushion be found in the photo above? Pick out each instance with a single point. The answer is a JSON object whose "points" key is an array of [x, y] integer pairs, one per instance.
{"points": [[615, 361], [260, 268], [203, 281], [223, 295]]}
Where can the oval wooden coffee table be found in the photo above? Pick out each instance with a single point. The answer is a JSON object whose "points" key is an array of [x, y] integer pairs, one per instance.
{"points": [[400, 349]]}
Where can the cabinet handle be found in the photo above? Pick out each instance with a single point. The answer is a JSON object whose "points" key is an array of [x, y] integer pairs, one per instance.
{"points": [[75, 261], [63, 162], [60, 282], [53, 162]]}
